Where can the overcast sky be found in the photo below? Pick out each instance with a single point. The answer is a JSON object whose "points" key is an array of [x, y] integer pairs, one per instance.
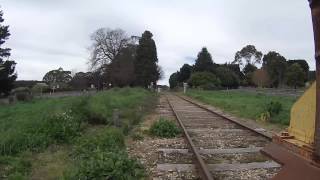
{"points": [[48, 34]]}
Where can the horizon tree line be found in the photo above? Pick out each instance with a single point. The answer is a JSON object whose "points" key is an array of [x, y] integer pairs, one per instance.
{"points": [[276, 71]]}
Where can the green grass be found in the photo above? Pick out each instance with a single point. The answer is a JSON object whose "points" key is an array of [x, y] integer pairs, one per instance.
{"points": [[102, 155], [34, 126], [246, 105]]}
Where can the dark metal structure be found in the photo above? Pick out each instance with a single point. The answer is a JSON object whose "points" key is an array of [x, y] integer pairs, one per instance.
{"points": [[315, 11]]}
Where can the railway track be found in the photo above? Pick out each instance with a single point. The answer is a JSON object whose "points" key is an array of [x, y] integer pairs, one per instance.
{"points": [[217, 147]]}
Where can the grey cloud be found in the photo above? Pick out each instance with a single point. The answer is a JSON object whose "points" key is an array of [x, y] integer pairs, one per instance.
{"points": [[48, 34]]}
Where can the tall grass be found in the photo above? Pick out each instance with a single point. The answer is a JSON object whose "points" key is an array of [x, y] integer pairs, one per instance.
{"points": [[33, 126], [246, 105]]}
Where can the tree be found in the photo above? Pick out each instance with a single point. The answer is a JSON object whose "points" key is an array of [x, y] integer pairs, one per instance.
{"points": [[204, 61], [295, 76], [276, 65], [261, 78], [107, 43], [145, 65], [248, 55], [248, 72], [227, 77], [303, 64], [185, 73], [173, 80], [57, 77], [121, 70], [206, 80], [80, 81], [7, 67]]}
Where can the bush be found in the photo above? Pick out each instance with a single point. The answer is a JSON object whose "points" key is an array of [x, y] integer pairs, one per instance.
{"points": [[23, 94], [227, 77], [62, 127], [103, 156], [204, 79], [40, 88], [274, 108], [107, 165], [110, 139], [164, 128]]}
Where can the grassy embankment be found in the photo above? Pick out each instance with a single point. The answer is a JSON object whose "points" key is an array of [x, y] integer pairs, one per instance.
{"points": [[71, 137], [246, 105]]}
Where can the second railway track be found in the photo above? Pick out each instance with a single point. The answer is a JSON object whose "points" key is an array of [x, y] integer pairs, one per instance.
{"points": [[221, 148]]}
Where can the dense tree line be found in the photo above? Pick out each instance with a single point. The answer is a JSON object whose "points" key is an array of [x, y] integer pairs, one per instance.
{"points": [[116, 61], [7, 66], [275, 71], [207, 74]]}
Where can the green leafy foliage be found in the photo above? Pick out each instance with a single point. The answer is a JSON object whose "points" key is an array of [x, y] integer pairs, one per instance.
{"points": [[37, 124], [274, 108], [33, 126], [145, 65], [22, 94], [164, 128], [103, 156], [276, 66], [7, 67], [173, 80], [205, 80], [295, 76], [227, 77], [248, 55], [62, 127], [204, 61]]}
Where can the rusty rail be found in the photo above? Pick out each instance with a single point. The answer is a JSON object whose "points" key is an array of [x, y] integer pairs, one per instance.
{"points": [[200, 164]]}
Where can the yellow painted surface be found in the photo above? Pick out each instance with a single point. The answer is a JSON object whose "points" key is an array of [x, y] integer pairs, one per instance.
{"points": [[302, 118]]}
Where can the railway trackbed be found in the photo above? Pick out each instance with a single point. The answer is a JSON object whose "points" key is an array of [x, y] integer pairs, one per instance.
{"points": [[217, 148]]}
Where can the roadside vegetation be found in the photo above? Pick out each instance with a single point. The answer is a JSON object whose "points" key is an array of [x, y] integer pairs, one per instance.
{"points": [[164, 128], [29, 128], [272, 109]]}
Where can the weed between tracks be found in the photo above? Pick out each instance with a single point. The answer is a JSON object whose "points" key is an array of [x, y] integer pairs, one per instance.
{"points": [[164, 128], [26, 129]]}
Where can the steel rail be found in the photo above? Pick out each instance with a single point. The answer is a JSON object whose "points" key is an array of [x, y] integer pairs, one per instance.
{"points": [[224, 117], [200, 164]]}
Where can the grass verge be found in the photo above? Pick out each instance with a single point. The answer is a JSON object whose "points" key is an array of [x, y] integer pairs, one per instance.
{"points": [[246, 105], [34, 126]]}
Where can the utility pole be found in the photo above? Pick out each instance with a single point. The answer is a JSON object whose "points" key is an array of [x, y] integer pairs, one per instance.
{"points": [[315, 11]]}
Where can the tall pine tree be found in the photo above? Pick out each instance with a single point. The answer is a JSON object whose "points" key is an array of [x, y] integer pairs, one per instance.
{"points": [[145, 65], [204, 61], [7, 67]]}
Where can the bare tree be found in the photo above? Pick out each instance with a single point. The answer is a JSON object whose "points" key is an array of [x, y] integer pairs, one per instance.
{"points": [[107, 44]]}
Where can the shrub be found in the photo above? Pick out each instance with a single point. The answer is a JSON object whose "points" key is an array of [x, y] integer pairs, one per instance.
{"points": [[164, 128], [23, 94], [107, 165], [274, 108], [110, 139], [227, 77], [103, 156], [204, 79], [40, 88], [62, 127]]}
